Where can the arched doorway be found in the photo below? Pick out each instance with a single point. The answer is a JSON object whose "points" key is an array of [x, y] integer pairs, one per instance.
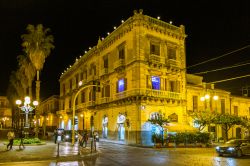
{"points": [[121, 127], [105, 127]]}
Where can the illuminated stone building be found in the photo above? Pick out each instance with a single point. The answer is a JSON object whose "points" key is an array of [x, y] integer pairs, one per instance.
{"points": [[218, 101], [134, 74], [48, 108], [139, 67], [5, 113]]}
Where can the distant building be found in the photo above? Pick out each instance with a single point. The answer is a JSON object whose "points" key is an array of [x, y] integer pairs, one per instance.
{"points": [[47, 110], [5, 113], [219, 101], [136, 73]]}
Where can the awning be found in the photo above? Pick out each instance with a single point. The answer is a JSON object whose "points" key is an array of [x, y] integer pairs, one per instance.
{"points": [[177, 127]]}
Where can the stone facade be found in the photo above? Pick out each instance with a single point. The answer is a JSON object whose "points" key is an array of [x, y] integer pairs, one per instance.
{"points": [[135, 73], [47, 109], [5, 113]]}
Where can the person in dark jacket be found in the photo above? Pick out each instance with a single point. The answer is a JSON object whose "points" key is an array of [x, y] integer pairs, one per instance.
{"points": [[21, 137]]}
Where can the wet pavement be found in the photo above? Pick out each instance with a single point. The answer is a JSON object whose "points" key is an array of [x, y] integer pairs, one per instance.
{"points": [[115, 154], [49, 151]]}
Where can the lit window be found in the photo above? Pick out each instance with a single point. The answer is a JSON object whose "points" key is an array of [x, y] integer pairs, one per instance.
{"points": [[155, 82], [121, 85]]}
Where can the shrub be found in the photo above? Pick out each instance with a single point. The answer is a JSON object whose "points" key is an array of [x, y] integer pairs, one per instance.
{"points": [[156, 138], [28, 141]]}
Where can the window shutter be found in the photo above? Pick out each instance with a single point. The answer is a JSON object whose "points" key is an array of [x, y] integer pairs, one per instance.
{"points": [[177, 86], [161, 83], [107, 91], [117, 86], [149, 83], [125, 84], [102, 92]]}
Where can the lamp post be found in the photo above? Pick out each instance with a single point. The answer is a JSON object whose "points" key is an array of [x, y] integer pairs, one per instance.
{"points": [[26, 108], [73, 109]]}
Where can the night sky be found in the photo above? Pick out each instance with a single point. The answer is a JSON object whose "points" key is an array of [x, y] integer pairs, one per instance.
{"points": [[213, 28]]}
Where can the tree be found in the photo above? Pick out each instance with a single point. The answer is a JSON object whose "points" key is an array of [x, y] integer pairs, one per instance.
{"points": [[28, 70], [203, 118], [37, 45], [161, 121], [227, 121], [246, 124]]}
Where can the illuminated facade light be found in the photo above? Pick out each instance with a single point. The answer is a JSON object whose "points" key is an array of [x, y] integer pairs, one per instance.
{"points": [[122, 21], [80, 83], [85, 52], [202, 98], [108, 33], [102, 38], [158, 17], [89, 48], [170, 22], [207, 96], [216, 97], [114, 27], [81, 115]]}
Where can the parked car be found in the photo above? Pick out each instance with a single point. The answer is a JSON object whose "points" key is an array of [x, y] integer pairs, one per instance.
{"points": [[235, 147]]}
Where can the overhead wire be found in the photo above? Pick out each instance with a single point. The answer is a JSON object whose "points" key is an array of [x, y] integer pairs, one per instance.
{"points": [[229, 79], [212, 59], [219, 69]]}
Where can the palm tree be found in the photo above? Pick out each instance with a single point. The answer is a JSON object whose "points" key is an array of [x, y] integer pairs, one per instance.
{"points": [[37, 45], [27, 68]]}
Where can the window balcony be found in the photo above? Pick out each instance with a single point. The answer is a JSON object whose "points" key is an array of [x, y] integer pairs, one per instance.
{"points": [[104, 100], [104, 71], [90, 103], [156, 59], [68, 110], [172, 62], [119, 63], [81, 106], [148, 92]]}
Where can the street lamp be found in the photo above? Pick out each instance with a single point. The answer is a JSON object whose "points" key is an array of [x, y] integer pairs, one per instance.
{"points": [[73, 108], [26, 108]]}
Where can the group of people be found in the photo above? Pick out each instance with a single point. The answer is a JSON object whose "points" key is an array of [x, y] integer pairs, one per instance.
{"points": [[11, 136]]}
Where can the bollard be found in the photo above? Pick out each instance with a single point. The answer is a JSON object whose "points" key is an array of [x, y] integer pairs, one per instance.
{"points": [[79, 148], [95, 144], [91, 145], [57, 149]]}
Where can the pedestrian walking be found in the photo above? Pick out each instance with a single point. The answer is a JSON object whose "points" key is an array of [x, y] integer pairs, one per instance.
{"points": [[55, 135], [85, 138], [11, 136], [21, 137], [80, 139]]}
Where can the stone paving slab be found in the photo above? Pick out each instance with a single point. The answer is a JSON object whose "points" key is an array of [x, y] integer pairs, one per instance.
{"points": [[43, 152]]}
